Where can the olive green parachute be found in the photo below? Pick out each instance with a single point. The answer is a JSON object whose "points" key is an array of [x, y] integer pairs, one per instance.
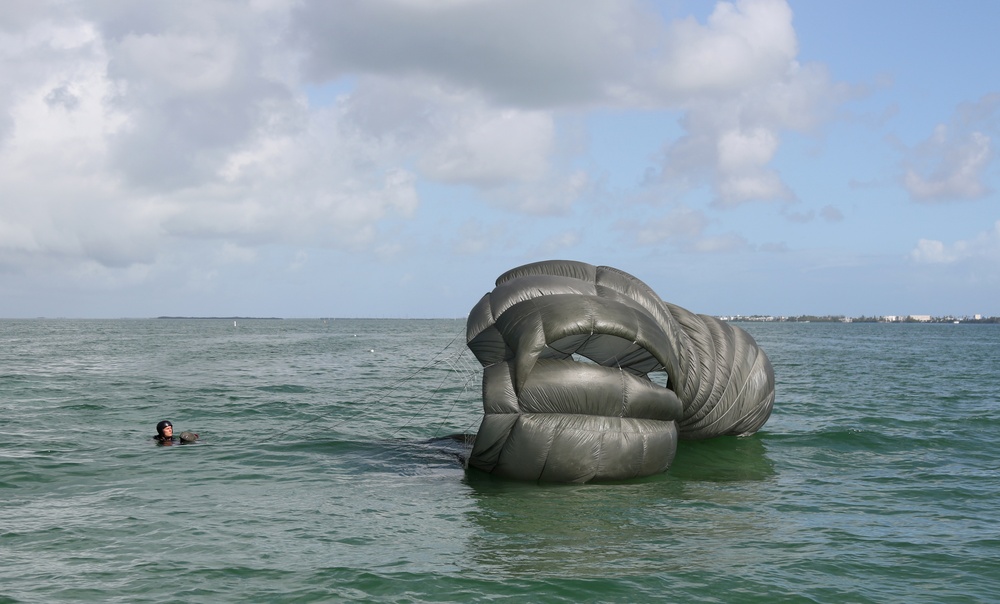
{"points": [[589, 375]]}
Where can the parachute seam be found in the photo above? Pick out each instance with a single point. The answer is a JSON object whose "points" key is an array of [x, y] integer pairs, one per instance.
{"points": [[736, 408], [600, 457], [548, 450], [621, 377], [721, 356]]}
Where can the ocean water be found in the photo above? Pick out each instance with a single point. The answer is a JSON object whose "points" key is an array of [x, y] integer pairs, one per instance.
{"points": [[321, 475]]}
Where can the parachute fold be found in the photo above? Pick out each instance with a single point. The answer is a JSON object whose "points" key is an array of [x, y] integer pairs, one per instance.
{"points": [[589, 375]]}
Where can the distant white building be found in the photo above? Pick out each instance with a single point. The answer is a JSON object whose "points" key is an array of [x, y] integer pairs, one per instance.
{"points": [[921, 318]]}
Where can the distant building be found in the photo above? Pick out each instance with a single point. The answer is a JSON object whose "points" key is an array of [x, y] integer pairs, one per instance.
{"points": [[921, 318]]}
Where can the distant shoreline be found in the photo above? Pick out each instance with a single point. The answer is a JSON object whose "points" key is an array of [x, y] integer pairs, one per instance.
{"points": [[863, 319], [228, 318], [980, 320], [728, 318]]}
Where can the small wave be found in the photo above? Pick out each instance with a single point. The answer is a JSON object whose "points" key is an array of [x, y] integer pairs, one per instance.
{"points": [[85, 407], [837, 439], [285, 388]]}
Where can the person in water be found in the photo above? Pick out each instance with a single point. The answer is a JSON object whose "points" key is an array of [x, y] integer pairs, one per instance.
{"points": [[165, 434]]}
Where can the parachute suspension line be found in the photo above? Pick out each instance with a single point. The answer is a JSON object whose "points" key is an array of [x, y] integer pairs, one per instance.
{"points": [[585, 342], [465, 388], [574, 351], [297, 426], [368, 404], [469, 429], [470, 374], [458, 363], [463, 364]]}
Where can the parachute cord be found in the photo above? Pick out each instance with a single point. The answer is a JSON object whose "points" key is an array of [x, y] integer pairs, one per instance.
{"points": [[465, 388], [368, 404], [471, 374], [458, 363], [575, 350], [399, 383], [469, 442], [298, 426]]}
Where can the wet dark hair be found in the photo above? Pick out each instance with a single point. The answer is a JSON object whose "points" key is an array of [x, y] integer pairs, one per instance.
{"points": [[160, 426]]}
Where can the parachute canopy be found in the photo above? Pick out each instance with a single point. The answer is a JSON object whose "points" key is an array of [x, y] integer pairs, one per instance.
{"points": [[589, 375]]}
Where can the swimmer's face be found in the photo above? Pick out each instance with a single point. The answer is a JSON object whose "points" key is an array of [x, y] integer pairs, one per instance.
{"points": [[168, 431]]}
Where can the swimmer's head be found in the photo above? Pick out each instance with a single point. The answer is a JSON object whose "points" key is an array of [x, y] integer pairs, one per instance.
{"points": [[165, 428]]}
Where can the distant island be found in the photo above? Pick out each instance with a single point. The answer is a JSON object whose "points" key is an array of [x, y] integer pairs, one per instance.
{"points": [[863, 319]]}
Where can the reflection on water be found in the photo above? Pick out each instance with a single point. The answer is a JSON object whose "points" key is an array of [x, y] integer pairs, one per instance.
{"points": [[721, 494], [722, 460]]}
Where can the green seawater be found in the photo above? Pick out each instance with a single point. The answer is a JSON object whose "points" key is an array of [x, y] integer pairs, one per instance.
{"points": [[318, 479]]}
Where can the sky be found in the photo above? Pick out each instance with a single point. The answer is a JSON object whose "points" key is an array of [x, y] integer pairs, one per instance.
{"points": [[391, 158]]}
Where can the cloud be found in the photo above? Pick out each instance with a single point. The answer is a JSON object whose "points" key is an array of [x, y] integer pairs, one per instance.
{"points": [[488, 148], [984, 247], [129, 135], [741, 45], [684, 229], [733, 123], [551, 196], [236, 254], [192, 97], [800, 217], [128, 143], [831, 214], [959, 170], [951, 164], [728, 242], [681, 225], [827, 213], [517, 54], [557, 245], [735, 76], [474, 237]]}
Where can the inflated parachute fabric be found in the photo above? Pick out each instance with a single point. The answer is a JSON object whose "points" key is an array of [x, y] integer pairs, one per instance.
{"points": [[568, 350]]}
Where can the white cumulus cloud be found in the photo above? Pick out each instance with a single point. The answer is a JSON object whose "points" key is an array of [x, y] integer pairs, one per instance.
{"points": [[951, 164], [132, 134], [959, 170], [984, 247]]}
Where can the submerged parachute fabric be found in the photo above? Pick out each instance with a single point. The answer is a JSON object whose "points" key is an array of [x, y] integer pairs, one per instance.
{"points": [[568, 351]]}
